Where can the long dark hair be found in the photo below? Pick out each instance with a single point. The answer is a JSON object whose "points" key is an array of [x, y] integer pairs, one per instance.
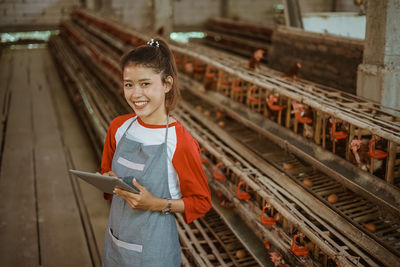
{"points": [[157, 56]]}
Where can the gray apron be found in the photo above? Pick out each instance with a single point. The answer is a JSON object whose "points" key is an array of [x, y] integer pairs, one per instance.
{"points": [[141, 237]]}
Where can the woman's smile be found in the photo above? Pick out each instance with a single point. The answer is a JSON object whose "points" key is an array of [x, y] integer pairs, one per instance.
{"points": [[140, 104]]}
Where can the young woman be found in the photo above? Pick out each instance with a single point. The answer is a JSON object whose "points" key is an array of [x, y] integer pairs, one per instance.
{"points": [[153, 152]]}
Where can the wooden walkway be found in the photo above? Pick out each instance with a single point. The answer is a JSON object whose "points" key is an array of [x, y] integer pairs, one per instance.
{"points": [[47, 217]]}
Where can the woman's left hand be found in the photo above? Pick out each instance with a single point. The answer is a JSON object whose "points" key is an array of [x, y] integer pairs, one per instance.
{"points": [[142, 201]]}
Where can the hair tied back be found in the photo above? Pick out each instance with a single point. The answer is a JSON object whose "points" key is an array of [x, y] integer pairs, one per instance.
{"points": [[153, 43]]}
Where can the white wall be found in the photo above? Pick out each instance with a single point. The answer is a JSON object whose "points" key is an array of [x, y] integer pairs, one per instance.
{"points": [[344, 24]]}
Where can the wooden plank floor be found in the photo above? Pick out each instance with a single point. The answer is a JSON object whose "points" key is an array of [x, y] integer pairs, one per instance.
{"points": [[47, 217]]}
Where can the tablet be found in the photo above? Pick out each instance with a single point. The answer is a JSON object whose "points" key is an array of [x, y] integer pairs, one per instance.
{"points": [[103, 182]]}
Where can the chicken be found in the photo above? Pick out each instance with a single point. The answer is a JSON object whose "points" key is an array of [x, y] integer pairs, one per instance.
{"points": [[254, 62], [277, 259], [189, 67], [227, 204], [359, 148], [220, 115], [297, 107], [267, 244], [355, 146], [293, 71], [308, 131]]}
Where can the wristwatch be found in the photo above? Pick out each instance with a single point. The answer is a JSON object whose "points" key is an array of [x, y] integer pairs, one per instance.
{"points": [[167, 210]]}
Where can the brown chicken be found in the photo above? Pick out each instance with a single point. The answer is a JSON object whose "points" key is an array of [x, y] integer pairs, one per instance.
{"points": [[254, 62], [359, 148], [293, 71], [277, 259]]}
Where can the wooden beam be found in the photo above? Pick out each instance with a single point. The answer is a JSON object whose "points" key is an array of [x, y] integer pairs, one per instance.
{"points": [[391, 159], [348, 146], [317, 131], [288, 112]]}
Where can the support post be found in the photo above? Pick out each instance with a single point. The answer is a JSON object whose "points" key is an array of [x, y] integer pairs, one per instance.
{"points": [[378, 77], [391, 159]]}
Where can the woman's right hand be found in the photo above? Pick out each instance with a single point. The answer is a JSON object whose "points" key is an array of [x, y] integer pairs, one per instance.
{"points": [[110, 173]]}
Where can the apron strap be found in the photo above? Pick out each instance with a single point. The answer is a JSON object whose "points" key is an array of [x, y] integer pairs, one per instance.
{"points": [[130, 124], [166, 131], [166, 149]]}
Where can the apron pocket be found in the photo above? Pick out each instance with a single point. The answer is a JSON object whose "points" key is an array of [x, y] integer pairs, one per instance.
{"points": [[130, 164], [125, 245]]}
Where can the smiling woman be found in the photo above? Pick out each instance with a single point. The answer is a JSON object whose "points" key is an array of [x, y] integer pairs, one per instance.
{"points": [[163, 159], [158, 57]]}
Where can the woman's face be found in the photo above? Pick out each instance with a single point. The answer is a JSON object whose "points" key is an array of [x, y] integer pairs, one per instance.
{"points": [[145, 93]]}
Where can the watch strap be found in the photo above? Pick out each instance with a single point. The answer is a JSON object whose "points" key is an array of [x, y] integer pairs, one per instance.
{"points": [[168, 208]]}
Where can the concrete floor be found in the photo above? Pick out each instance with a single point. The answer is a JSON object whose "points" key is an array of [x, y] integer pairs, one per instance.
{"points": [[47, 217]]}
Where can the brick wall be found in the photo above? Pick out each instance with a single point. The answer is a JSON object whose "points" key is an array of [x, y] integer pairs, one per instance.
{"points": [[326, 59], [186, 13], [34, 12], [346, 6], [311, 6], [315, 6], [194, 12], [259, 11], [137, 13]]}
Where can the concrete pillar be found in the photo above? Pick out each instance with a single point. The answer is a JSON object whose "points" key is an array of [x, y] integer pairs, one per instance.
{"points": [[105, 7], [224, 8], [94, 4], [163, 16], [90, 4], [378, 77], [293, 13]]}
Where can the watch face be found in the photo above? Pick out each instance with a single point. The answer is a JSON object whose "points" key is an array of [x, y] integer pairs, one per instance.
{"points": [[167, 210]]}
